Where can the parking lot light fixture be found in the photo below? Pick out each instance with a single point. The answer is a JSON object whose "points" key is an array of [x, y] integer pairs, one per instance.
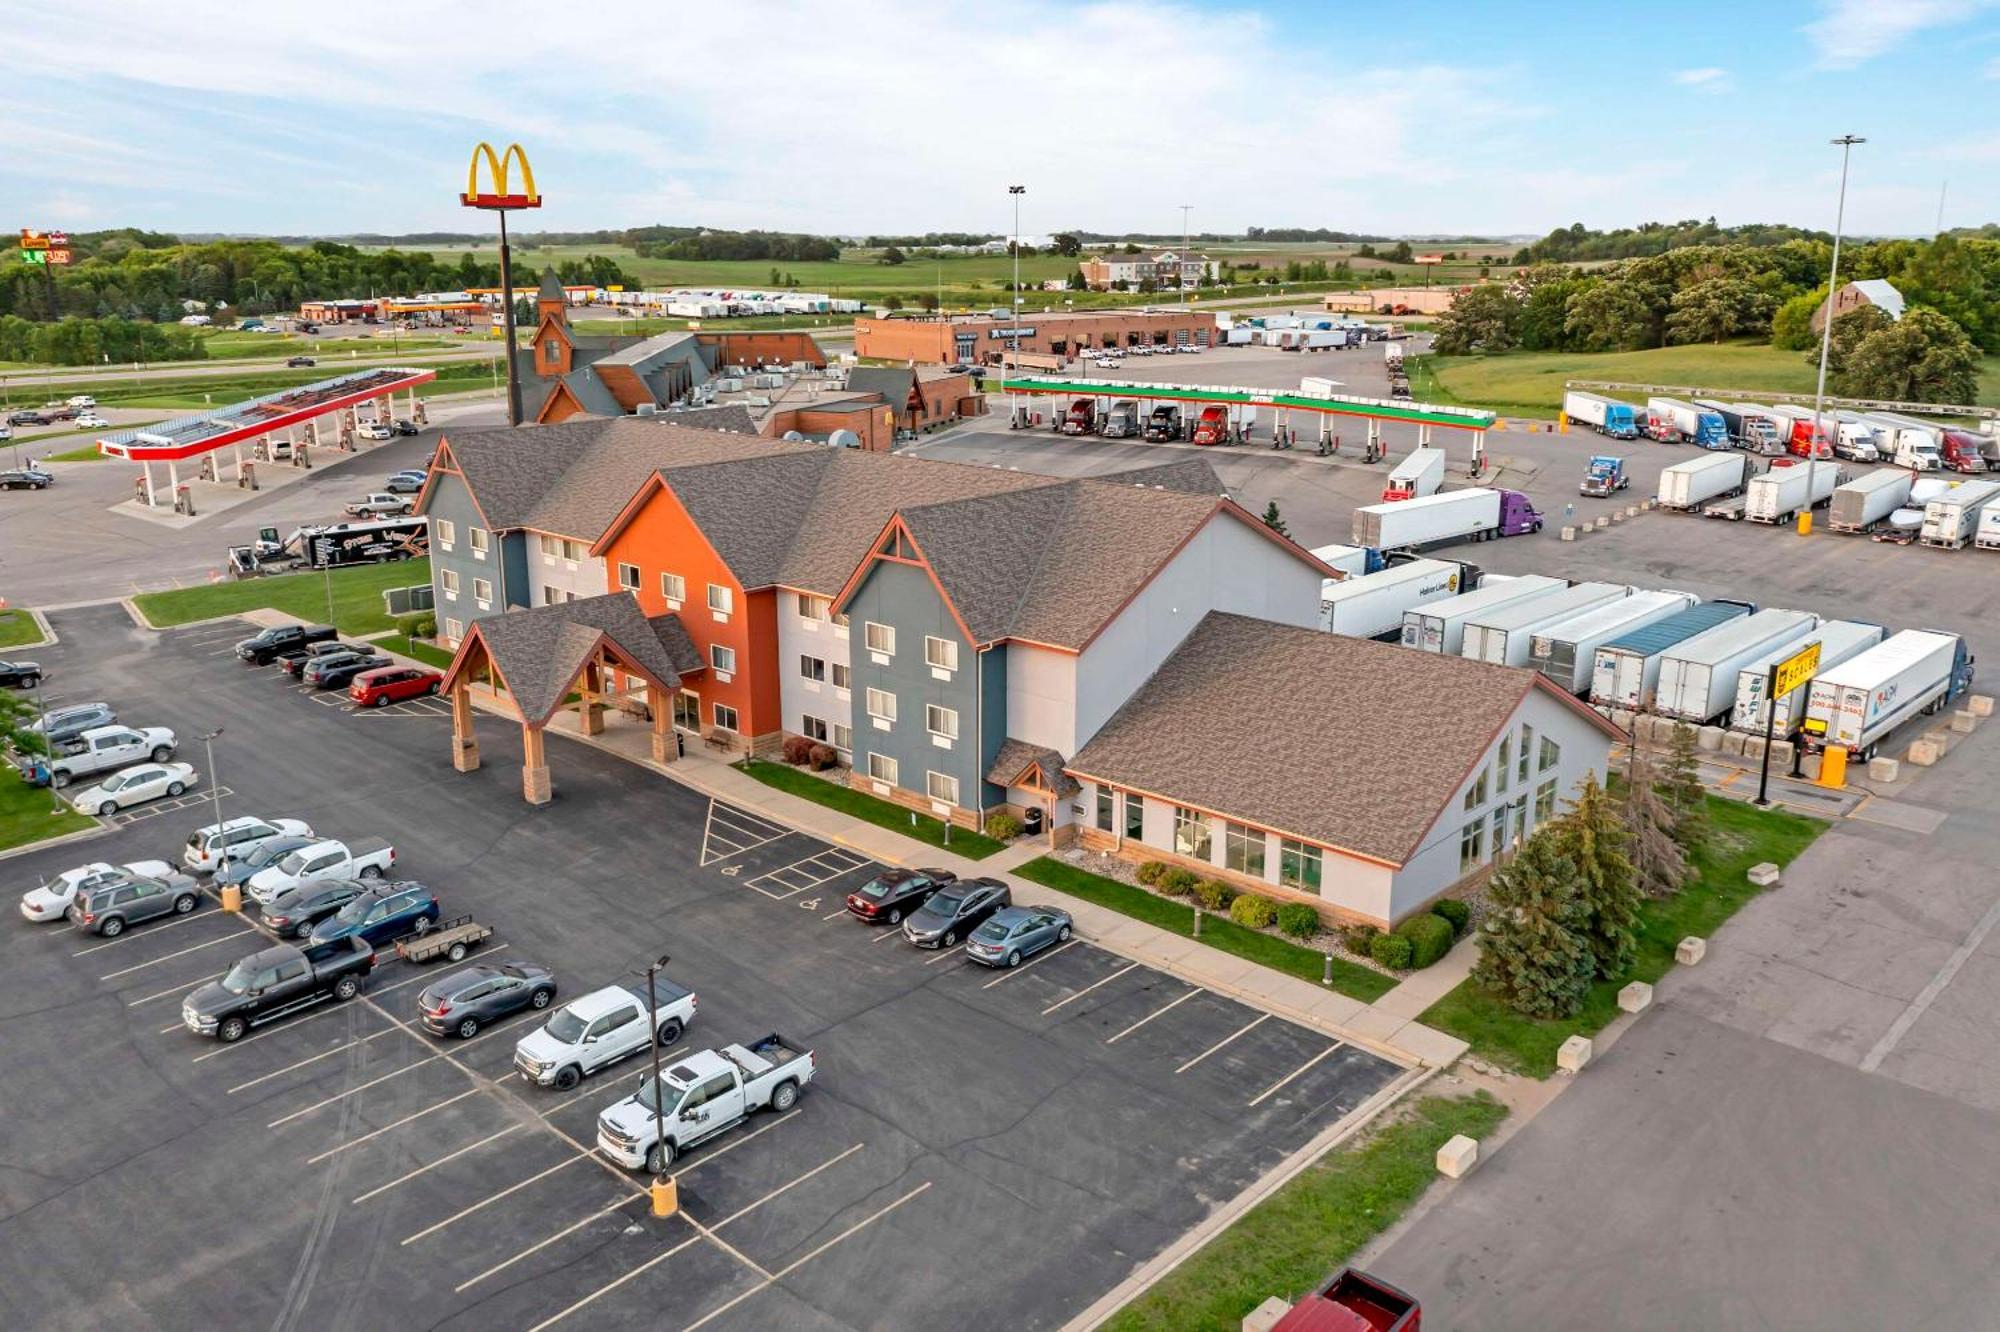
{"points": [[229, 902], [663, 1190], [1846, 144]]}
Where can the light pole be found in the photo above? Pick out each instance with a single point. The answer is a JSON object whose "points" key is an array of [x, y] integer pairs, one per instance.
{"points": [[1846, 144], [215, 798], [1185, 208], [1014, 330], [663, 1191]]}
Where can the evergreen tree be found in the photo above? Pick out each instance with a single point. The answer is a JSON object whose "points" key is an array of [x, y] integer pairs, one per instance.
{"points": [[1273, 521], [1679, 784], [1532, 948], [1591, 832], [1658, 863]]}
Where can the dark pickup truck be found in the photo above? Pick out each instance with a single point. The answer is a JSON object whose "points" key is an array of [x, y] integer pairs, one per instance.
{"points": [[279, 980], [260, 650]]}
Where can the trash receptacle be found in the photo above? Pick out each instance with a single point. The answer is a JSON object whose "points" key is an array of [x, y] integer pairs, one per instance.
{"points": [[1032, 824]]}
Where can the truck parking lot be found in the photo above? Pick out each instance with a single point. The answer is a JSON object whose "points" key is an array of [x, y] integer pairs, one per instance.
{"points": [[979, 1149]]}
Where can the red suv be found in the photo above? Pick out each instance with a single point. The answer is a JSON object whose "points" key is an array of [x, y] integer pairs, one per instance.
{"points": [[392, 684]]}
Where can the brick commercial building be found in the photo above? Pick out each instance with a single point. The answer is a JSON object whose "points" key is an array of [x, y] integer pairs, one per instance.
{"points": [[984, 340], [1387, 300]]}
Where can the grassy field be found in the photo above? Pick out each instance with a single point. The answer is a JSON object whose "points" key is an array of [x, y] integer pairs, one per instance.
{"points": [[428, 653], [356, 597], [25, 816], [1741, 836], [1299, 1236], [229, 345], [195, 391], [1218, 932], [881, 813], [1531, 383], [18, 628]]}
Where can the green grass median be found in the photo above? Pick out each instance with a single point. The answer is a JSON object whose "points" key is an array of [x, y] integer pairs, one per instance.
{"points": [[350, 598], [25, 814], [18, 629], [881, 813], [1218, 932]]}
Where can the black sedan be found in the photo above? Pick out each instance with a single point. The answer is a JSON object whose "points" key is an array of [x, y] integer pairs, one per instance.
{"points": [[485, 992], [26, 478], [337, 671], [28, 418], [954, 911], [895, 893], [20, 674], [296, 911], [300, 360]]}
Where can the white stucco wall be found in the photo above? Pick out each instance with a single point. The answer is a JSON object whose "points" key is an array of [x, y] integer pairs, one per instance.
{"points": [[582, 577], [799, 697], [1041, 697]]}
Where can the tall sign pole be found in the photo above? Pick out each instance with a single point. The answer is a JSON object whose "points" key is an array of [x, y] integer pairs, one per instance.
{"points": [[503, 200], [1785, 676]]}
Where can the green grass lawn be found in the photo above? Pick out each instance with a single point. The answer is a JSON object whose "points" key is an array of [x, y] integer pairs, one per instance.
{"points": [[18, 628], [1217, 932], [25, 816], [1298, 1237], [227, 386], [357, 597], [1742, 835], [428, 653], [881, 813]]}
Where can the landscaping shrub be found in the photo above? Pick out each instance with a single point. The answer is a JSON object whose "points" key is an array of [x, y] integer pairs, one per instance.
{"points": [[1454, 911], [1298, 920], [1429, 936], [1177, 882], [1392, 951], [1151, 872], [1003, 826], [1254, 911], [417, 624], [1214, 894], [797, 750], [822, 757], [1359, 938]]}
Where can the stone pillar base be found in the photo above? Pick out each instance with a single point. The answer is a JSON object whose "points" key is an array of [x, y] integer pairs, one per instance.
{"points": [[592, 719], [663, 748], [535, 785], [466, 757]]}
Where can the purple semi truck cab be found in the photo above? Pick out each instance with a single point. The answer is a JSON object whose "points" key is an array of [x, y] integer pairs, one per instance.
{"points": [[1517, 516]]}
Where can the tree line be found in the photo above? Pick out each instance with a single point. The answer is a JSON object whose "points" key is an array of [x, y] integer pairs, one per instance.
{"points": [[1576, 243], [761, 245]]}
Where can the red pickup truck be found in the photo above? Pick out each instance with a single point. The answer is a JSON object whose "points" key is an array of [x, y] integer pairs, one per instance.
{"points": [[1354, 1302]]}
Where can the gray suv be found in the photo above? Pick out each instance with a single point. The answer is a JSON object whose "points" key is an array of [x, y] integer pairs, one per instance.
{"points": [[68, 723], [108, 910]]}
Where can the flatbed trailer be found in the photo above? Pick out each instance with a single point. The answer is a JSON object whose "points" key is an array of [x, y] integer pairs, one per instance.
{"points": [[1731, 509], [451, 940]]}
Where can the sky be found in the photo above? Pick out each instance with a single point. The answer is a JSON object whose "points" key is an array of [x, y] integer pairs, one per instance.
{"points": [[904, 116]]}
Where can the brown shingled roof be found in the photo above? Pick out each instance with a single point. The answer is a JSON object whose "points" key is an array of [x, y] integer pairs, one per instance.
{"points": [[539, 650]]}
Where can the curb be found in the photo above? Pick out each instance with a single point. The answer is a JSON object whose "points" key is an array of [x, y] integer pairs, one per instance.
{"points": [[49, 636], [81, 834]]}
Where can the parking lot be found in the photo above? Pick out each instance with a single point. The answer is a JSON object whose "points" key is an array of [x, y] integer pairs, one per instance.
{"points": [[980, 1148]]}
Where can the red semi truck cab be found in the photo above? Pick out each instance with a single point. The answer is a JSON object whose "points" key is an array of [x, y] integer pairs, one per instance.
{"points": [[1802, 441], [1212, 426], [1354, 1302], [1960, 451], [1082, 415]]}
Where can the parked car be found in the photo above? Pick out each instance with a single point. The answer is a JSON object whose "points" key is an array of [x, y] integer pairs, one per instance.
{"points": [[600, 1028], [294, 362], [91, 421], [80, 400], [405, 483], [337, 669], [955, 911], [383, 915], [51, 900], [27, 418], [109, 909], [1015, 933], [463, 1002], [295, 912], [895, 893], [102, 749], [20, 674], [25, 478], [213, 845], [379, 505], [405, 427], [259, 651], [261, 857], [6, 431], [328, 858], [67, 723], [293, 661], [133, 786], [384, 685], [276, 981], [702, 1096], [371, 430]]}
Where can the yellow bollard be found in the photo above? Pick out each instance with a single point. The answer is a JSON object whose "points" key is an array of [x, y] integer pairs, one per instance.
{"points": [[1833, 768], [232, 897], [666, 1197], [1805, 522], [1562, 423]]}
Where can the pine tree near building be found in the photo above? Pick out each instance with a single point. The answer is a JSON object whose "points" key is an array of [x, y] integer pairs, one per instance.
{"points": [[1274, 521], [1591, 832], [1679, 784], [1658, 863], [1533, 951]]}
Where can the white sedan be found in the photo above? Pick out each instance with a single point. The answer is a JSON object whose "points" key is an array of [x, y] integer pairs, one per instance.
{"points": [[52, 899], [90, 421], [370, 430], [134, 786]]}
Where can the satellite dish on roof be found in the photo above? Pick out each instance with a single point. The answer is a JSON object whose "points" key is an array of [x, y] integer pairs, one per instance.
{"points": [[792, 435], [844, 439]]}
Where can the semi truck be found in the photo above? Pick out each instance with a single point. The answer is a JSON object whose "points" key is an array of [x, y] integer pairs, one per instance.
{"points": [[1504, 637], [1961, 451], [1838, 640], [1907, 441], [1373, 605], [1603, 475], [1607, 416], [1478, 513], [332, 546], [1749, 426], [1566, 651], [1440, 626], [1626, 670], [1782, 493], [1804, 437], [1418, 475], [1672, 420], [1854, 439], [1869, 498], [1951, 519], [1988, 535], [1164, 422], [1211, 426], [1698, 677], [1122, 421], [1352, 561], [1080, 418], [1686, 486], [1857, 704]]}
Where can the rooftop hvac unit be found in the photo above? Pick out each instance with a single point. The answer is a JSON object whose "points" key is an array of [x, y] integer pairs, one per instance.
{"points": [[844, 439], [649, 409], [792, 436]]}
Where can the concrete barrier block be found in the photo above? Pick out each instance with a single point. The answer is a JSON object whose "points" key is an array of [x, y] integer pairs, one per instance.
{"points": [[1602, 522], [1631, 511], [1809, 767], [1457, 1157], [1690, 951], [1618, 516], [1636, 997], [1980, 705], [1923, 753], [1884, 769], [1573, 1054], [1733, 743], [1753, 746], [1568, 534], [1709, 738], [1623, 718], [1764, 874], [1964, 722], [1650, 505], [1266, 1315], [1781, 754]]}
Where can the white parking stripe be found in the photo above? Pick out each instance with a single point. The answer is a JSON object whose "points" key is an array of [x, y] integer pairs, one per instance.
{"points": [[126, 971], [944, 953], [1029, 963], [494, 1198], [735, 1140], [1155, 1013], [442, 1160], [1088, 988], [129, 935], [351, 1091], [356, 1142], [186, 987], [271, 1031], [886, 932], [311, 1059], [539, 1245], [783, 1188], [1256, 1021], [610, 1286], [1275, 1087]]}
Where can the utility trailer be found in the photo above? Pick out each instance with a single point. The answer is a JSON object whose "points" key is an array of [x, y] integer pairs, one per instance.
{"points": [[1686, 486], [1566, 650], [1698, 677], [1868, 499], [451, 941], [1439, 626], [1860, 702], [1626, 671], [1838, 640], [1506, 636], [1372, 605], [332, 546]]}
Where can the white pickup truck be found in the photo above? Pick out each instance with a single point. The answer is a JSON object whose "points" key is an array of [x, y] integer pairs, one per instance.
{"points": [[601, 1028], [368, 858], [104, 749], [704, 1095], [212, 844]]}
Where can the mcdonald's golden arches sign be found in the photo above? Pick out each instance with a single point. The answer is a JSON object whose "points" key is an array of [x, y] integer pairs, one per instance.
{"points": [[499, 169]]}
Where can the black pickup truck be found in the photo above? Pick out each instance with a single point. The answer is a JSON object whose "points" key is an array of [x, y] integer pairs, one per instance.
{"points": [[279, 980], [260, 650]]}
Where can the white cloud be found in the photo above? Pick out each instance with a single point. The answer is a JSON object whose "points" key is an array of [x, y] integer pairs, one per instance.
{"points": [[1694, 78], [1853, 31]]}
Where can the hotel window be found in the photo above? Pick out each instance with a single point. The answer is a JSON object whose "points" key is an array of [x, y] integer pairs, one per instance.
{"points": [[572, 551], [812, 668], [687, 711], [941, 653], [1471, 845], [673, 587], [722, 658], [725, 717], [882, 705], [551, 596], [1499, 829], [882, 768], [1527, 745], [1105, 813], [811, 607], [628, 577], [477, 536], [843, 738], [1545, 801], [1551, 755], [881, 638], [720, 599], [552, 352], [841, 678], [482, 592], [941, 787], [1191, 834], [446, 532], [448, 580], [454, 629], [1505, 768], [941, 721], [1298, 865], [551, 547], [1243, 850], [1477, 795], [813, 728], [1135, 816]]}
